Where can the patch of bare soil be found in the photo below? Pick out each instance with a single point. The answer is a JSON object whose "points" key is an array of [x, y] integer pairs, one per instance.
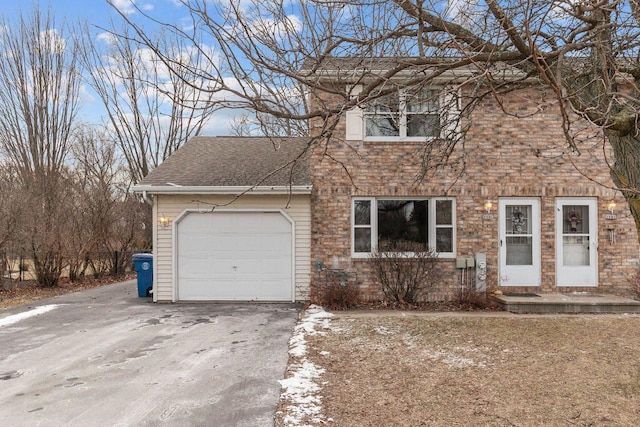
{"points": [[452, 370], [19, 293]]}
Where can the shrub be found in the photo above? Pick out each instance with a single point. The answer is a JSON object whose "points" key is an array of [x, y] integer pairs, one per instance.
{"points": [[472, 299], [339, 291], [405, 271]]}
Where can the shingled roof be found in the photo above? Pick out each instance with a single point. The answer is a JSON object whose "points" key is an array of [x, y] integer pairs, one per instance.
{"points": [[206, 161]]}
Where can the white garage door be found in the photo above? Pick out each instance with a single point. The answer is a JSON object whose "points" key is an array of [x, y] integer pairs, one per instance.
{"points": [[239, 256]]}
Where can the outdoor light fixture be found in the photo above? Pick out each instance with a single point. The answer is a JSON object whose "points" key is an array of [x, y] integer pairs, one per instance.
{"points": [[164, 221], [611, 207], [487, 208]]}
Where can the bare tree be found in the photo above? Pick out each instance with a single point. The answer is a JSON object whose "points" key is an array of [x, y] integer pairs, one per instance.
{"points": [[152, 109], [273, 56], [39, 87]]}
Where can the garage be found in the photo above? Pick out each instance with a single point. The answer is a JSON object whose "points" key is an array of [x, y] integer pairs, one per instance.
{"points": [[232, 220], [234, 256]]}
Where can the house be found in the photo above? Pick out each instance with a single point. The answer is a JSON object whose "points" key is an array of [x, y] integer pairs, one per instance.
{"points": [[508, 206]]}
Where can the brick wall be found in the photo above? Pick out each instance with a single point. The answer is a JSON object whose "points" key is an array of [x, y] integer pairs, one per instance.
{"points": [[504, 156]]}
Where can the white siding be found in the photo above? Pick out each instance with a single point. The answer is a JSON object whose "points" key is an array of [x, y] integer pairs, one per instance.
{"points": [[298, 207]]}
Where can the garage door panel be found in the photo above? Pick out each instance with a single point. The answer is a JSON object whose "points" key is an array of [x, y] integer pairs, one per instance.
{"points": [[195, 266], [257, 244], [223, 243], [197, 242], [277, 241], [275, 268], [223, 223], [221, 266], [270, 286]]}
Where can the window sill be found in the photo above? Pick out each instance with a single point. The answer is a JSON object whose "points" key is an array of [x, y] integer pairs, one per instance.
{"points": [[399, 139], [362, 256]]}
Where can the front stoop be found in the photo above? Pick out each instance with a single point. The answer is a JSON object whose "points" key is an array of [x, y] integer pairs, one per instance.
{"points": [[567, 303]]}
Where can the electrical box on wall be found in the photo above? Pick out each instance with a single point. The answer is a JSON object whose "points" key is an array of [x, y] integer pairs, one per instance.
{"points": [[481, 272]]}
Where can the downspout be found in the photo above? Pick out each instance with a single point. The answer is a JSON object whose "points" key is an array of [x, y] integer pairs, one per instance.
{"points": [[147, 198]]}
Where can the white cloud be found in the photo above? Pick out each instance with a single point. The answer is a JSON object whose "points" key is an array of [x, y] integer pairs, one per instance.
{"points": [[86, 95], [125, 6], [129, 7], [52, 41], [106, 37]]}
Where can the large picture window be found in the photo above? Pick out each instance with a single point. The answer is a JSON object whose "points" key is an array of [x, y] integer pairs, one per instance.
{"points": [[406, 113], [389, 222]]}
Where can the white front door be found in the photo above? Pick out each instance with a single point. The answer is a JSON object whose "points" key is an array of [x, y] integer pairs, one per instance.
{"points": [[576, 242], [519, 241]]}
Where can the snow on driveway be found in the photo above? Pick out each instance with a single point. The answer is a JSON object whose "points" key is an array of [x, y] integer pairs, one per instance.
{"points": [[10, 320]]}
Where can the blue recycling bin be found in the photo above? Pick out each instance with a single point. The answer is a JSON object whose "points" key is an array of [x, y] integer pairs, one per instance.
{"points": [[144, 270]]}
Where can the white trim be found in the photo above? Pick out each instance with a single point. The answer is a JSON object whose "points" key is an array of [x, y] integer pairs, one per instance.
{"points": [[184, 213], [218, 189], [590, 270], [372, 219], [154, 240], [431, 223], [535, 273]]}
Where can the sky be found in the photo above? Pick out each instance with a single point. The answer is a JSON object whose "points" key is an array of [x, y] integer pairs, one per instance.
{"points": [[99, 13]]}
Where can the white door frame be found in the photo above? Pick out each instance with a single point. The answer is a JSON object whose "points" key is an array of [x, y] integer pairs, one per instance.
{"points": [[577, 275], [184, 213], [519, 275]]}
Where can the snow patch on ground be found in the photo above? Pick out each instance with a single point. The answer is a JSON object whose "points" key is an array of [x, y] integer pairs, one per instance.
{"points": [[10, 320], [454, 359], [300, 390], [381, 330]]}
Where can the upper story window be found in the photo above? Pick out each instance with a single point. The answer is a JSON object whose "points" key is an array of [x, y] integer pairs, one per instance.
{"points": [[387, 222], [403, 114], [409, 114]]}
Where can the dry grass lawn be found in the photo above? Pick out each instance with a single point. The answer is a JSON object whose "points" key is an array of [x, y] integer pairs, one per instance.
{"points": [[391, 369]]}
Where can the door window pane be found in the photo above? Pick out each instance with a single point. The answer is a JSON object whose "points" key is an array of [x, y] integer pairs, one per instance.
{"points": [[575, 219], [575, 250], [518, 219], [519, 250]]}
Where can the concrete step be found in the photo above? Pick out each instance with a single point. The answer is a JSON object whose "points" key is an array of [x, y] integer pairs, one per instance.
{"points": [[567, 303]]}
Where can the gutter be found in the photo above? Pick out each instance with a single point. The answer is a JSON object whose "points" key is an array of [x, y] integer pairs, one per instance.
{"points": [[235, 190]]}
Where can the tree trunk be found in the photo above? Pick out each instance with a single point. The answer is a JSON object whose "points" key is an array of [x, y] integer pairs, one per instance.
{"points": [[625, 171]]}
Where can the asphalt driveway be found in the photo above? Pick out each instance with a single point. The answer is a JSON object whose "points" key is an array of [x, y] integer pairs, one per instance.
{"points": [[104, 357]]}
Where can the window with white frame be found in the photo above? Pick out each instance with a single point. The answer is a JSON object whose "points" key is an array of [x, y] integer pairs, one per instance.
{"points": [[383, 222], [405, 114]]}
